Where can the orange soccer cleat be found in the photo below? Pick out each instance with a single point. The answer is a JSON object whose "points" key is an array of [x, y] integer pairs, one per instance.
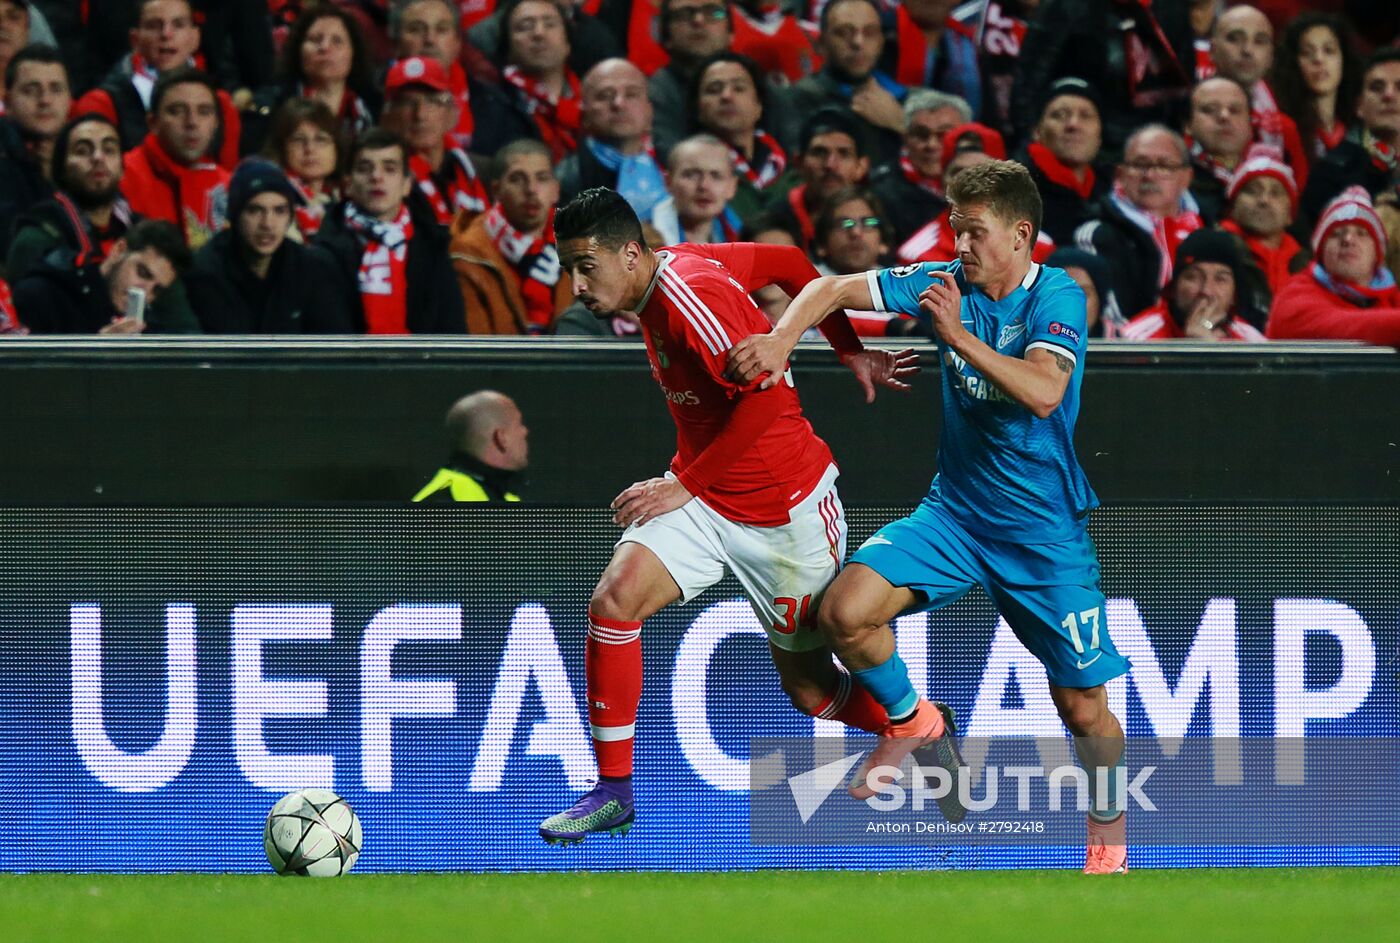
{"points": [[1107, 851], [897, 741]]}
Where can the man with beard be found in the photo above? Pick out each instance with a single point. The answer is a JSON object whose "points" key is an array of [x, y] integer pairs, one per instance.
{"points": [[853, 42], [88, 216], [1204, 300], [833, 156]]}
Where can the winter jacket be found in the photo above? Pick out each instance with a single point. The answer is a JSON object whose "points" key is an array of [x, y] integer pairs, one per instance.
{"points": [[495, 303], [300, 295], [1304, 309]]}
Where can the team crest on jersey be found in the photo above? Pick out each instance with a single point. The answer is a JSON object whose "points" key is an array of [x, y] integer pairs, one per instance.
{"points": [[1009, 333], [1064, 330], [661, 358], [904, 271]]}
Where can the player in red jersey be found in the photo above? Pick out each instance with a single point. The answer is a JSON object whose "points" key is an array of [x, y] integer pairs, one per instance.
{"points": [[751, 488]]}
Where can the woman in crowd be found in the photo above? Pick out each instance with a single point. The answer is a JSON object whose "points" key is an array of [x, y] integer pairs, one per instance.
{"points": [[1316, 78], [727, 99], [302, 141]]}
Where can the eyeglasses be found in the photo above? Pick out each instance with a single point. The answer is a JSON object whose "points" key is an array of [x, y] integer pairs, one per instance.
{"points": [[865, 222], [1146, 167], [710, 11]]}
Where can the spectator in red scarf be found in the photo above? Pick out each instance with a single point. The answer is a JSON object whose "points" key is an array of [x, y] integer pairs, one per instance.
{"points": [[164, 37], [1137, 227], [324, 58], [505, 259], [431, 28], [833, 156], [1202, 301], [543, 96], [929, 48], [171, 176], [1316, 77], [387, 248], [1218, 134], [420, 108], [616, 150], [302, 141], [36, 105], [853, 42], [1263, 201], [1242, 48], [701, 184], [1136, 54], [1367, 156], [911, 189], [691, 31], [730, 100], [1061, 157], [1347, 292]]}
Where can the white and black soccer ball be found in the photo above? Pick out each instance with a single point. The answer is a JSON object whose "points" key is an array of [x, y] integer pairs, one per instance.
{"points": [[312, 833]]}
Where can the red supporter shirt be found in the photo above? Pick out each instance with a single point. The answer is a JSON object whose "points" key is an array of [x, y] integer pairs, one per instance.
{"points": [[750, 454]]}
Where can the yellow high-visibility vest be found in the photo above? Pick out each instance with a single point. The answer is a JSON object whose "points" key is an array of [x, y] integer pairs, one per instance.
{"points": [[463, 487]]}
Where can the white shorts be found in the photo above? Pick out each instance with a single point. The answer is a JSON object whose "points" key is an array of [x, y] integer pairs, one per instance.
{"points": [[784, 570]]}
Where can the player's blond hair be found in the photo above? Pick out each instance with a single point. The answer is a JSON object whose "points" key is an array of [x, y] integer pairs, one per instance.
{"points": [[1003, 186]]}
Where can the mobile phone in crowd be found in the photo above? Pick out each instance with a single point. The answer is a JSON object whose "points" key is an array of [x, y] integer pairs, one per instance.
{"points": [[136, 304]]}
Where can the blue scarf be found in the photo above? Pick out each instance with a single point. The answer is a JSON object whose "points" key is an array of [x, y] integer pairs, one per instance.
{"points": [[1363, 296], [639, 178]]}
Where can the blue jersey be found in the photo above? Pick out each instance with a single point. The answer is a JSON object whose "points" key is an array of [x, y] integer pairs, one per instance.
{"points": [[1002, 471]]}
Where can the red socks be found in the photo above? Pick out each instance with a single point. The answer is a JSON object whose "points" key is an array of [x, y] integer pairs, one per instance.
{"points": [[851, 704], [613, 665]]}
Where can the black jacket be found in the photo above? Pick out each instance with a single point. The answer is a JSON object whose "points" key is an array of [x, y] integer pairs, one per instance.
{"points": [[500, 116], [823, 90], [580, 171], [434, 298], [301, 294], [1131, 254], [1346, 165], [1083, 38], [1064, 210], [61, 297], [908, 206], [22, 183]]}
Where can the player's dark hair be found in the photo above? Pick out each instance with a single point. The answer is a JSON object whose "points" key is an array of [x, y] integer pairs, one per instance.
{"points": [[165, 238], [600, 214], [34, 52], [1003, 186], [184, 75]]}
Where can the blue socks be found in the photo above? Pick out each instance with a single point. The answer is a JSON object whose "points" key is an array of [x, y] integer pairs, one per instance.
{"points": [[1107, 806], [889, 684]]}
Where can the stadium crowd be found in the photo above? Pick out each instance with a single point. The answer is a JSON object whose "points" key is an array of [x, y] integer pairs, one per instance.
{"points": [[1209, 170]]}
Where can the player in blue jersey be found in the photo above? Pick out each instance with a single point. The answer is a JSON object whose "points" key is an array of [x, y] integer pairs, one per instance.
{"points": [[1008, 507]]}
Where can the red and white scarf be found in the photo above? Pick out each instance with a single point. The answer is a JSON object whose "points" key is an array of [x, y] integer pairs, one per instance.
{"points": [[1266, 117], [773, 160], [313, 207], [1203, 159], [199, 191], [1383, 156], [556, 118], [535, 261], [383, 274], [463, 188], [466, 124], [1166, 233], [917, 177]]}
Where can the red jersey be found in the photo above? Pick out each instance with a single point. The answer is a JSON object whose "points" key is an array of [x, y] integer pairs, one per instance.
{"points": [[750, 454]]}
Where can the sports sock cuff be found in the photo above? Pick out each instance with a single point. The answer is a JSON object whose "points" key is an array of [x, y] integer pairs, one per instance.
{"points": [[889, 685]]}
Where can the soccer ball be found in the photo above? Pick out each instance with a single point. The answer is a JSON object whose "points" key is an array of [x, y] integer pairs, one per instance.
{"points": [[313, 833]]}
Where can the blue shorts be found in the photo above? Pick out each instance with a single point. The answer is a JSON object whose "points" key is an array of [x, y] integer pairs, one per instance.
{"points": [[1048, 593]]}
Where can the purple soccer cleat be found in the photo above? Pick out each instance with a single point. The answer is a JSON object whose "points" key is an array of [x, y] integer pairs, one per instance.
{"points": [[607, 807]]}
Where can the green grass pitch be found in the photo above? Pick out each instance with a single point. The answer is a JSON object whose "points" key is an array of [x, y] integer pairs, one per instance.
{"points": [[1272, 905]]}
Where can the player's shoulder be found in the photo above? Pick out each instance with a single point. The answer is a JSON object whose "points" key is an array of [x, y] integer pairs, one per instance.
{"points": [[687, 260], [1054, 285]]}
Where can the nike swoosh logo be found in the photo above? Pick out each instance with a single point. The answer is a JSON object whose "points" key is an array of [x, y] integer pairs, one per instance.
{"points": [[1081, 665]]}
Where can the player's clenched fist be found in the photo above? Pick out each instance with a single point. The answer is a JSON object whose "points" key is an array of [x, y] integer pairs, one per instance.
{"points": [[942, 302], [756, 355], [647, 499]]}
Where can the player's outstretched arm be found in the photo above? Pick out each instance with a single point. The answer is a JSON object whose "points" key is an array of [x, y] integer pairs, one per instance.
{"points": [[768, 353], [1037, 382]]}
